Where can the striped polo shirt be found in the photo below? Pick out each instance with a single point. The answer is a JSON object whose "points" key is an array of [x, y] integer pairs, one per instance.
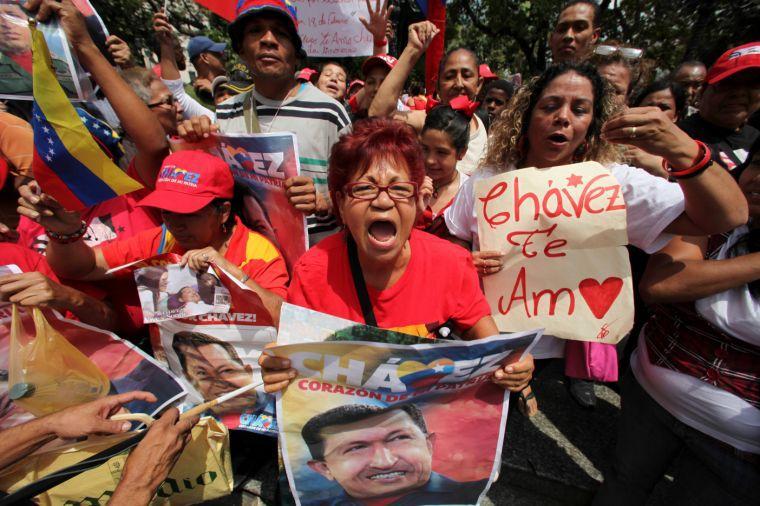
{"points": [[316, 119]]}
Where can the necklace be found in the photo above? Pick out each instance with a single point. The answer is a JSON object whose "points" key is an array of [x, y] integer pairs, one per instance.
{"points": [[276, 113]]}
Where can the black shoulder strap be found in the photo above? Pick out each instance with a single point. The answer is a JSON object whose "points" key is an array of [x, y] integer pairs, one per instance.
{"points": [[359, 284]]}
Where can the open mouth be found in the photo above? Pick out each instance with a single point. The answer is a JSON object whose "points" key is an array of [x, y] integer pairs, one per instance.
{"points": [[557, 138], [382, 234], [391, 476]]}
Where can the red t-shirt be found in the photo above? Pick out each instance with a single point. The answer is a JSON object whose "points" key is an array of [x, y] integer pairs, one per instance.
{"points": [[249, 250], [25, 259], [439, 284], [118, 218]]}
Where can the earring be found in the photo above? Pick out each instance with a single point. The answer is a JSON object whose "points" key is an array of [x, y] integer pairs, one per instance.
{"points": [[580, 152], [224, 227]]}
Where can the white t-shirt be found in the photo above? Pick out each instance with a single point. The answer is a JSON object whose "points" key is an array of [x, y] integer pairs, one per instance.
{"points": [[696, 403], [476, 149], [707, 408], [652, 203], [734, 311]]}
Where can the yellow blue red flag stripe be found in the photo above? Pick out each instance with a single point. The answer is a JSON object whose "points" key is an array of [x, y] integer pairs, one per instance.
{"points": [[68, 163]]}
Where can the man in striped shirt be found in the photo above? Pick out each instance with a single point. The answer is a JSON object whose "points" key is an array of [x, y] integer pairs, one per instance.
{"points": [[264, 34]]}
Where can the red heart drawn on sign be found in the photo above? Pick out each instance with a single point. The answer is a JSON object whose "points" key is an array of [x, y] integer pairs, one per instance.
{"points": [[599, 297]]}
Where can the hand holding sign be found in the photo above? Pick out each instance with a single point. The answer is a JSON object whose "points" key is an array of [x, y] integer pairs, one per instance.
{"points": [[562, 229]]}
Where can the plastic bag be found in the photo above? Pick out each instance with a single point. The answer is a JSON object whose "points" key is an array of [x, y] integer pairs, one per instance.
{"points": [[47, 373], [202, 472]]}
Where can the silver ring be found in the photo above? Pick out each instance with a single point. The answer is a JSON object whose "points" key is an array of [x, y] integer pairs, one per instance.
{"points": [[633, 132]]}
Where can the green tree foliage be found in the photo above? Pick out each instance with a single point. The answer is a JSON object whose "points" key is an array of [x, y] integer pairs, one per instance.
{"points": [[514, 34], [132, 20]]}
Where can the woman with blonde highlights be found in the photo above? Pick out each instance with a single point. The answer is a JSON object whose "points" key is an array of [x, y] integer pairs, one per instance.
{"points": [[567, 115]]}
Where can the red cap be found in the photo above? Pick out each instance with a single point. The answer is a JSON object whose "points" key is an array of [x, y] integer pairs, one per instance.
{"points": [[384, 60], [356, 84], [307, 75], [486, 73], [733, 61], [189, 181]]}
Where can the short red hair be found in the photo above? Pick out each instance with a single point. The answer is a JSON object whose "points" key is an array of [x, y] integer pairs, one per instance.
{"points": [[371, 140]]}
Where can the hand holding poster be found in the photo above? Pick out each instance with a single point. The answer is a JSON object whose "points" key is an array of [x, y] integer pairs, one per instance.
{"points": [[562, 230], [332, 29], [423, 424], [16, 52], [261, 163]]}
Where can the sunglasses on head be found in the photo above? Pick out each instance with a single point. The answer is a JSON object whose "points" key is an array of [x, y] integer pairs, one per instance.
{"points": [[630, 53]]}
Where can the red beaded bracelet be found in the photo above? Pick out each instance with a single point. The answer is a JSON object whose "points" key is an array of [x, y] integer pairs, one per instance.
{"points": [[382, 43], [701, 162]]}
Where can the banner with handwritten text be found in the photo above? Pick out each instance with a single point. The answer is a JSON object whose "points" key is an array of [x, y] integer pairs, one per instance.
{"points": [[563, 232], [331, 28]]}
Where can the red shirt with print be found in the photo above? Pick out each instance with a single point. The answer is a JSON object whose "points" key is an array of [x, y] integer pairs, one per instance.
{"points": [[440, 284], [118, 218], [249, 250]]}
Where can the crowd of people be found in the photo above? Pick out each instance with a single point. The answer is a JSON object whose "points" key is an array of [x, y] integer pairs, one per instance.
{"points": [[387, 187]]}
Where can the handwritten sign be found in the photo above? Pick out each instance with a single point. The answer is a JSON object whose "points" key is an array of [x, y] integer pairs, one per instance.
{"points": [[331, 28], [562, 230]]}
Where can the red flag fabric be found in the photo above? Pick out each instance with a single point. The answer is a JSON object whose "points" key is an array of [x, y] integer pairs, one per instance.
{"points": [[437, 15], [223, 8]]}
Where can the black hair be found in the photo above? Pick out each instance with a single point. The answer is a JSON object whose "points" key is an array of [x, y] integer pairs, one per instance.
{"points": [[218, 204], [333, 62], [595, 6], [690, 63], [585, 69], [501, 84], [679, 94], [196, 339], [415, 90], [454, 123], [351, 413], [445, 58]]}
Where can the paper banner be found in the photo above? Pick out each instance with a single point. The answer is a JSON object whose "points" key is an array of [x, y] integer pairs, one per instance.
{"points": [[422, 423], [563, 231], [332, 29]]}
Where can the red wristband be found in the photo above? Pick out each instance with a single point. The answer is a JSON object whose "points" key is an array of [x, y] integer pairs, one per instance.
{"points": [[382, 43], [701, 162]]}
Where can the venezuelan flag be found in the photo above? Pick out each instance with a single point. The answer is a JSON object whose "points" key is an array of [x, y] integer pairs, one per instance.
{"points": [[68, 163]]}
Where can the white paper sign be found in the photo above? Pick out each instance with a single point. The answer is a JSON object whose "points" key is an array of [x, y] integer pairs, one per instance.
{"points": [[563, 231], [331, 28]]}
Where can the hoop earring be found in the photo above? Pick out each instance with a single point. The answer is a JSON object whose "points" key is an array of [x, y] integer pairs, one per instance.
{"points": [[580, 152]]}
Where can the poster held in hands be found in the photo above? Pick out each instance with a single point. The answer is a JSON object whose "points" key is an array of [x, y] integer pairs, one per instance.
{"points": [[563, 231], [171, 292], [213, 354], [261, 163], [431, 407]]}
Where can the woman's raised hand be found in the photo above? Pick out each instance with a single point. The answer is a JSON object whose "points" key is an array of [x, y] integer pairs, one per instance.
{"points": [[649, 129]]}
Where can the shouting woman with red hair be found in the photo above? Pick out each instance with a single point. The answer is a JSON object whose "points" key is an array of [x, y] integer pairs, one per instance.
{"points": [[381, 270]]}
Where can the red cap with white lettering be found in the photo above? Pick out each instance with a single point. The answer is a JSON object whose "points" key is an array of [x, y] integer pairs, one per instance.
{"points": [[189, 181]]}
